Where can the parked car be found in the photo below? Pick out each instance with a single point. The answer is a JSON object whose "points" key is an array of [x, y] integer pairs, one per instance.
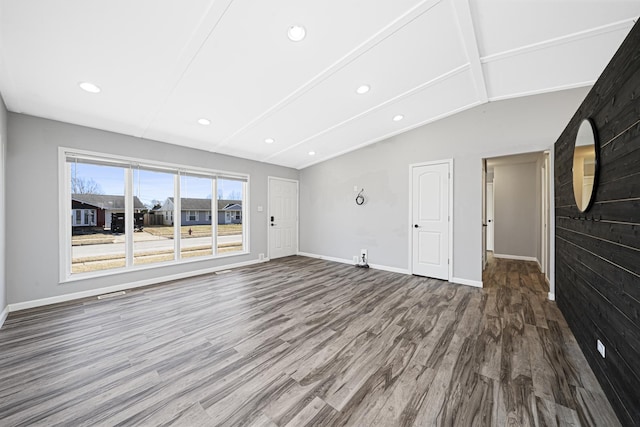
{"points": [[117, 222]]}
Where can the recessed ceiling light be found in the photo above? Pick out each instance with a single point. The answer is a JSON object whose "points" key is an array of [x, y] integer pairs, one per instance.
{"points": [[269, 140], [89, 87], [312, 153], [296, 33], [363, 89], [398, 117], [204, 122]]}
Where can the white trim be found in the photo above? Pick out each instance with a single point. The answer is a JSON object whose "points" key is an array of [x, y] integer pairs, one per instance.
{"points": [[128, 215], [469, 39], [551, 275], [587, 83], [438, 79], [142, 267], [3, 316], [422, 7], [451, 216], [517, 257], [459, 281], [168, 167], [350, 262], [65, 221], [624, 24], [551, 296], [109, 289], [269, 179], [387, 268], [389, 135]]}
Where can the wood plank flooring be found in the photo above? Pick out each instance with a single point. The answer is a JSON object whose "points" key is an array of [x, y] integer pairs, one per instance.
{"points": [[303, 342]]}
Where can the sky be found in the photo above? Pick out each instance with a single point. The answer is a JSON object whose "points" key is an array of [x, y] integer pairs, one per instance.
{"points": [[149, 185]]}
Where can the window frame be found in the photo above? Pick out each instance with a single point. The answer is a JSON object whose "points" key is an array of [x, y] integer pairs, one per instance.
{"points": [[66, 220]]}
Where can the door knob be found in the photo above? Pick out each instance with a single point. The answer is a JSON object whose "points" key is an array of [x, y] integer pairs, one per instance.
{"points": [[416, 226]]}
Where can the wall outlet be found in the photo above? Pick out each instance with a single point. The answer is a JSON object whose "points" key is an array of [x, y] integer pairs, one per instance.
{"points": [[355, 259], [261, 256], [601, 348], [355, 188]]}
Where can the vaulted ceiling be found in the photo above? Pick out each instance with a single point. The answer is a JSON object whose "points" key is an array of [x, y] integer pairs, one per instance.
{"points": [[162, 65]]}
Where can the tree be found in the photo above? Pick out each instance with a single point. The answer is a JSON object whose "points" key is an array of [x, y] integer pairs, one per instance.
{"points": [[220, 195], [85, 186], [235, 195], [156, 204]]}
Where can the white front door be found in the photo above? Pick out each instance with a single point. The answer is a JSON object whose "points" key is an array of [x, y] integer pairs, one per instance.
{"points": [[430, 220], [490, 223], [283, 217]]}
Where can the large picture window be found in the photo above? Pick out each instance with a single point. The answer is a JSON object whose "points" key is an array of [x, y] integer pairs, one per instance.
{"points": [[120, 213]]}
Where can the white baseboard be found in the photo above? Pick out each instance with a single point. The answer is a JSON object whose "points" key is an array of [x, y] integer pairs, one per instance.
{"points": [[551, 296], [474, 283], [350, 262], [328, 258], [518, 257], [387, 268], [3, 315], [109, 289]]}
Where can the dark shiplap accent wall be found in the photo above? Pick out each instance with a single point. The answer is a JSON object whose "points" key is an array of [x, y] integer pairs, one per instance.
{"points": [[598, 262]]}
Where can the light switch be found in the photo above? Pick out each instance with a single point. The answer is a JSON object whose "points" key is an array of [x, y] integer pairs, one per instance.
{"points": [[260, 209]]}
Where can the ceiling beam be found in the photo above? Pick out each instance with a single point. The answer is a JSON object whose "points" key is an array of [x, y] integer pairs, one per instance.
{"points": [[470, 40]]}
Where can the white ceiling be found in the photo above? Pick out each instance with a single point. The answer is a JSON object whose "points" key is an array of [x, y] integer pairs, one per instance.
{"points": [[164, 64]]}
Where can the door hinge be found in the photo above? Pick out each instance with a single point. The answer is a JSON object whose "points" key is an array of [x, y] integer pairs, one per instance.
{"points": [[448, 261]]}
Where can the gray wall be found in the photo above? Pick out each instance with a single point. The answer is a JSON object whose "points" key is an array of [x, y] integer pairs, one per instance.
{"points": [[32, 199], [332, 225], [3, 144], [517, 210]]}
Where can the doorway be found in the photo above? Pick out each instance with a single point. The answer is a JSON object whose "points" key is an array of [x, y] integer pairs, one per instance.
{"points": [[283, 217], [430, 210], [516, 212]]}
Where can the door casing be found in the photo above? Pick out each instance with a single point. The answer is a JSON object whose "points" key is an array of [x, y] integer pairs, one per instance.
{"points": [[451, 215], [268, 222]]}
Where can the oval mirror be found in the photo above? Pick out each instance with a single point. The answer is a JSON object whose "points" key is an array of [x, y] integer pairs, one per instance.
{"points": [[585, 165]]}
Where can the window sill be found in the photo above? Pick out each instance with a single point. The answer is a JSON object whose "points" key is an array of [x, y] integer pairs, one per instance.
{"points": [[135, 268]]}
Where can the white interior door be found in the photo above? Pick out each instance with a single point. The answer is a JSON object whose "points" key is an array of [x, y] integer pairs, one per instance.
{"points": [[283, 217], [490, 223], [430, 220]]}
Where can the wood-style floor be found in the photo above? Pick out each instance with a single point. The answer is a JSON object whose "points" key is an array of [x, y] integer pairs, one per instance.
{"points": [[300, 342]]}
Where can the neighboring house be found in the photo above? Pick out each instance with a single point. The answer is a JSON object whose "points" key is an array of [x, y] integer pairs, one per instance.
{"points": [[198, 211], [229, 212], [94, 210]]}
